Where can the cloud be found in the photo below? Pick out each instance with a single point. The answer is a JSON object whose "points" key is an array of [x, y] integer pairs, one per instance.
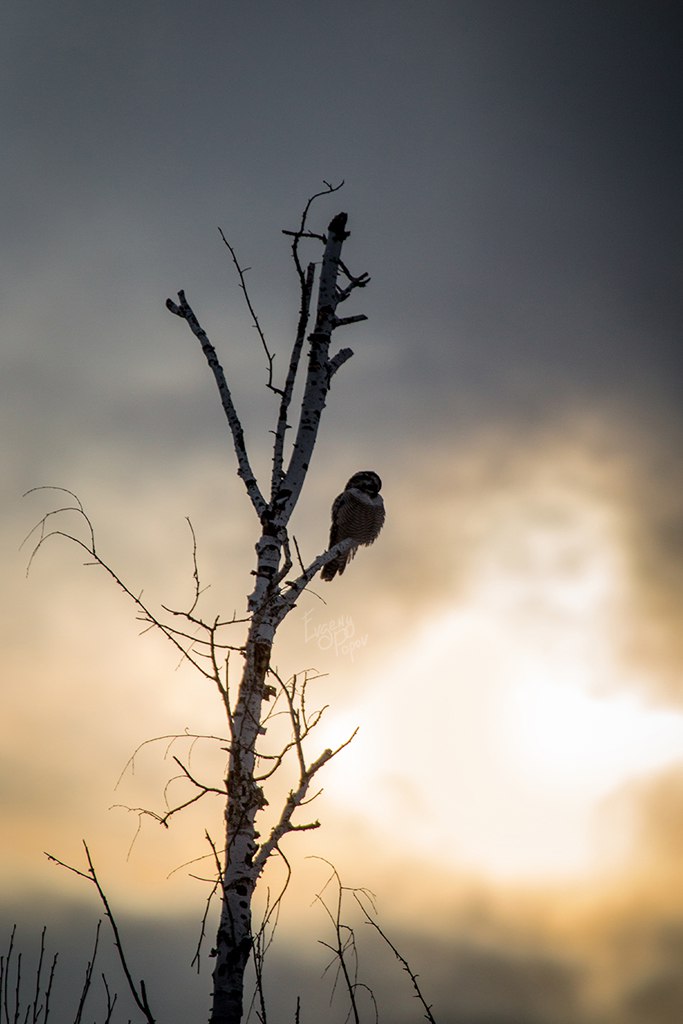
{"points": [[657, 810], [515, 386], [583, 495], [461, 980], [606, 949]]}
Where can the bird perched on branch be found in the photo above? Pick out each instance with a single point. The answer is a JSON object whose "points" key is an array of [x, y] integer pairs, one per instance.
{"points": [[358, 515], [337, 226]]}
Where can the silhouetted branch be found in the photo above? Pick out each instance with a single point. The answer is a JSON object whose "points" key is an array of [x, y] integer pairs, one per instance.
{"points": [[402, 960], [111, 1001], [301, 726], [137, 990], [306, 280], [244, 471], [241, 271], [298, 585], [171, 739], [294, 360], [214, 855], [145, 613], [195, 570], [302, 232], [196, 649], [88, 977], [37, 1011], [39, 971], [215, 883], [317, 376], [343, 947]]}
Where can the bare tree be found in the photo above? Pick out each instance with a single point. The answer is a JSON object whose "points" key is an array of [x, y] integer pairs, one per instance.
{"points": [[273, 596], [276, 588]]}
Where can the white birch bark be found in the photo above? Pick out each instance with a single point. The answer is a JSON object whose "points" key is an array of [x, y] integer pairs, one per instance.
{"points": [[269, 602]]}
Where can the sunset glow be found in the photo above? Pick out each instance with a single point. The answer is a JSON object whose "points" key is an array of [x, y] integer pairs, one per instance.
{"points": [[527, 720], [509, 649]]}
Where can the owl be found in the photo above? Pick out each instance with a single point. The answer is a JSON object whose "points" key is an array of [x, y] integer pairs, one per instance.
{"points": [[357, 513]]}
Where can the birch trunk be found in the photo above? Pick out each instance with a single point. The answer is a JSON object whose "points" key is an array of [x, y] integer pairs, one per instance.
{"points": [[270, 601], [245, 799]]}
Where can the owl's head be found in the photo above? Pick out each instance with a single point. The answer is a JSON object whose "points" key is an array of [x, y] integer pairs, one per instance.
{"points": [[366, 481]]}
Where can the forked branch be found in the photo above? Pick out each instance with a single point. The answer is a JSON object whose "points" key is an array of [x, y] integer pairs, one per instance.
{"points": [[344, 950], [138, 990], [191, 646], [306, 279], [320, 366]]}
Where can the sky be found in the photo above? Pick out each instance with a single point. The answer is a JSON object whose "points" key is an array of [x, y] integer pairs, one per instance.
{"points": [[510, 648]]}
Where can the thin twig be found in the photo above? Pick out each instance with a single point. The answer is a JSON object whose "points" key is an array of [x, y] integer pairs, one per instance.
{"points": [[345, 941], [88, 977], [402, 960], [146, 614], [195, 569], [196, 959], [48, 991], [111, 1002], [39, 971], [302, 232], [296, 798], [170, 738], [241, 271], [139, 992]]}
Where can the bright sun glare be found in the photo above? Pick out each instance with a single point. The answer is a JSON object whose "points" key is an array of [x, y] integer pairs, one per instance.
{"points": [[495, 739]]}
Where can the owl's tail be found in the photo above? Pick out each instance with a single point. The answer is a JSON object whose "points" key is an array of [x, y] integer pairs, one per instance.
{"points": [[337, 565], [330, 570]]}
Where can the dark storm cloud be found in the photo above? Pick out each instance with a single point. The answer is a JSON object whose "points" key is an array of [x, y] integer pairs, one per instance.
{"points": [[512, 173]]}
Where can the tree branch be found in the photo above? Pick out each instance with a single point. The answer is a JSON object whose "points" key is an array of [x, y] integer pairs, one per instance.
{"points": [[345, 942], [138, 992], [295, 587], [401, 959], [244, 471], [243, 285], [146, 615], [282, 424], [302, 232], [337, 361], [301, 727], [318, 375]]}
